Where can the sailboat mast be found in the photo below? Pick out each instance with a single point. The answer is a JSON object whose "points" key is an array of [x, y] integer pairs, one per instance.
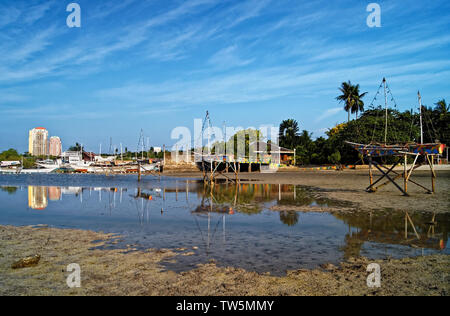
{"points": [[421, 121], [386, 107]]}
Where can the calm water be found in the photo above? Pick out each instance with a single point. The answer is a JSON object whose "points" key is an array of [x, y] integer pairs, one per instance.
{"points": [[232, 225]]}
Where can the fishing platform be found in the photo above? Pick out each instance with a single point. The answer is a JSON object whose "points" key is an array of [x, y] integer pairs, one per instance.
{"points": [[422, 154]]}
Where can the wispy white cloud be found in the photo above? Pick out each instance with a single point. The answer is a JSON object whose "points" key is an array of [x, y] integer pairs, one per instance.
{"points": [[228, 58], [35, 13], [8, 15], [328, 113]]}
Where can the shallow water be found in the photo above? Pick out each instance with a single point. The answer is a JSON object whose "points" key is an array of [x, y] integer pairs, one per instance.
{"points": [[232, 225]]}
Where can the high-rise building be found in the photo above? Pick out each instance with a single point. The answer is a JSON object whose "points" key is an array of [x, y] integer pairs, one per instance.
{"points": [[55, 147], [38, 142]]}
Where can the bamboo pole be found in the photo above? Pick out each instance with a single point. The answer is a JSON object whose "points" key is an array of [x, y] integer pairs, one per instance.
{"points": [[405, 173], [370, 171], [139, 172]]}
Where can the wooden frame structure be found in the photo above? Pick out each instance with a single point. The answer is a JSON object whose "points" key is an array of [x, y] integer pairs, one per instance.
{"points": [[427, 151], [213, 168]]}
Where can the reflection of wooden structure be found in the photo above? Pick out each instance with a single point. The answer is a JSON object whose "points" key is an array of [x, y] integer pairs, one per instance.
{"points": [[208, 207], [417, 232]]}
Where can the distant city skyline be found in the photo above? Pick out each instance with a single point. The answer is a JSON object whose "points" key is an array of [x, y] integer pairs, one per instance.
{"points": [[157, 65], [38, 142]]}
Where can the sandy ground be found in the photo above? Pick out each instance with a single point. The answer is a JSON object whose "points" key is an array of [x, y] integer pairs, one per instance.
{"points": [[120, 272], [350, 185]]}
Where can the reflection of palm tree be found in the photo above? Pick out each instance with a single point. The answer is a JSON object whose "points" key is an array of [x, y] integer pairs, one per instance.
{"points": [[353, 245], [289, 218]]}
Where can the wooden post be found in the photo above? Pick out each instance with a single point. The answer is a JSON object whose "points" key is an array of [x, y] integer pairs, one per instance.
{"points": [[295, 157], [433, 175], [164, 155], [250, 167], [405, 174], [139, 172], [370, 172]]}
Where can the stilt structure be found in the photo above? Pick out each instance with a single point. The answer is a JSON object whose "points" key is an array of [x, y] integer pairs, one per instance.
{"points": [[211, 165], [421, 154]]}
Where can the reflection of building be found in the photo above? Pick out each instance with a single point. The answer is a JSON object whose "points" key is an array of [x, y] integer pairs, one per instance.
{"points": [[37, 197], [54, 193], [37, 142], [55, 147]]}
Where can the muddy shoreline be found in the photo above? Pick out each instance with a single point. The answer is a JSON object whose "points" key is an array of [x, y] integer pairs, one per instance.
{"points": [[121, 272], [131, 272]]}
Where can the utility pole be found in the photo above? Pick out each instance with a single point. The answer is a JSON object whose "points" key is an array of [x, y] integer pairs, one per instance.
{"points": [[386, 107], [164, 155], [421, 123]]}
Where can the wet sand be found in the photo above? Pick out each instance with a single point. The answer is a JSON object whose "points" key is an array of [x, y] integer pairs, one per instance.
{"points": [[349, 186], [121, 272]]}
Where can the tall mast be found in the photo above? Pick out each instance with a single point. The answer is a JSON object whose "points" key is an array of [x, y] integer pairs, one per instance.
{"points": [[421, 122], [386, 107]]}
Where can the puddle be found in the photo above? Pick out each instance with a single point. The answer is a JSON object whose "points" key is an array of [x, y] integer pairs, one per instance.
{"points": [[233, 225]]}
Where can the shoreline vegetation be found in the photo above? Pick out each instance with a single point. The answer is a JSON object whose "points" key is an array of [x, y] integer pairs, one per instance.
{"points": [[129, 272]]}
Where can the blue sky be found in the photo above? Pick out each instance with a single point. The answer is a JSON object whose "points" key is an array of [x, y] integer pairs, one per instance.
{"points": [[156, 64]]}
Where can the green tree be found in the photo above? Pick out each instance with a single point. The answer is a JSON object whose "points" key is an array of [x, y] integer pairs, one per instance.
{"points": [[289, 131], [77, 147], [352, 98], [442, 107], [346, 97], [10, 155], [358, 104]]}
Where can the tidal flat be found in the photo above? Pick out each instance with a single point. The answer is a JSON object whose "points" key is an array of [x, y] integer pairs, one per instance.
{"points": [[128, 272], [290, 233]]}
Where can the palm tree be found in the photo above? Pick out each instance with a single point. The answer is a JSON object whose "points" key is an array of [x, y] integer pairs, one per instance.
{"points": [[289, 133], [442, 107], [347, 91], [358, 104]]}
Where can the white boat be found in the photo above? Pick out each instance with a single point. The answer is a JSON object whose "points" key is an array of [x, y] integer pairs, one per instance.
{"points": [[9, 170], [50, 164], [77, 163], [40, 171]]}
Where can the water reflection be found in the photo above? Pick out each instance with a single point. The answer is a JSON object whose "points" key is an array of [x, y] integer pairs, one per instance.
{"points": [[421, 230], [37, 197], [233, 223], [10, 190]]}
